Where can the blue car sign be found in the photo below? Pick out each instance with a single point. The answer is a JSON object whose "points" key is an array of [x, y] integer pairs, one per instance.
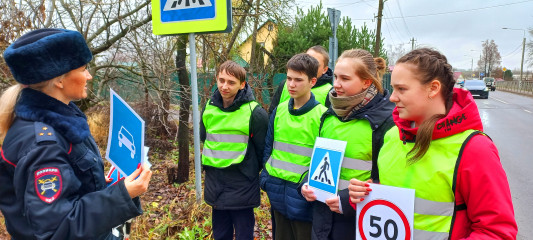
{"points": [[125, 145]]}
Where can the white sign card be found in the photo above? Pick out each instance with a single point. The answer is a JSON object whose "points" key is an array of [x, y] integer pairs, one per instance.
{"points": [[386, 213], [325, 167]]}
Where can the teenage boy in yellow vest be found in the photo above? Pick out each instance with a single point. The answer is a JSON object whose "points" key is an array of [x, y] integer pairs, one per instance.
{"points": [[233, 130], [324, 80], [292, 130]]}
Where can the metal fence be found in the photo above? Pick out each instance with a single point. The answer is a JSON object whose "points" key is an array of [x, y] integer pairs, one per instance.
{"points": [[523, 87]]}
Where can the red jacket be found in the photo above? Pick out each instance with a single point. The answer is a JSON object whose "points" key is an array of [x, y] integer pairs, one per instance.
{"points": [[481, 181]]}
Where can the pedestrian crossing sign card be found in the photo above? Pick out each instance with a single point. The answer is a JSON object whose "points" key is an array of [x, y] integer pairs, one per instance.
{"points": [[325, 167]]}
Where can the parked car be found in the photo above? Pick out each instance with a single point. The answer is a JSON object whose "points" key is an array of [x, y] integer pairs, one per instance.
{"points": [[477, 88], [489, 82]]}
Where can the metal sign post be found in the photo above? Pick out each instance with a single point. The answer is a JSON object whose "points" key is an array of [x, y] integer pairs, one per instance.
{"points": [[195, 118], [334, 19]]}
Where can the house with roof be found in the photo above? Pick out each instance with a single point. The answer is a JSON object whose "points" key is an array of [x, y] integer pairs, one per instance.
{"points": [[266, 35]]}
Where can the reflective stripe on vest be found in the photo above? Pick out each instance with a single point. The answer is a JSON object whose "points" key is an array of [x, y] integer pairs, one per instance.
{"points": [[227, 135], [321, 93], [357, 162], [294, 137], [432, 177]]}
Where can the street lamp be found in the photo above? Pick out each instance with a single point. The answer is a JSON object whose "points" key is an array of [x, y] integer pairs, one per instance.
{"points": [[523, 49]]}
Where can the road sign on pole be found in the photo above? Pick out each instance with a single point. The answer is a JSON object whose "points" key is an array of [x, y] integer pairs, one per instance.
{"points": [[334, 20], [191, 16], [170, 17]]}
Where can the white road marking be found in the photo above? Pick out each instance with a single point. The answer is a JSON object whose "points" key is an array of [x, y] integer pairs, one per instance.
{"points": [[527, 111], [499, 100]]}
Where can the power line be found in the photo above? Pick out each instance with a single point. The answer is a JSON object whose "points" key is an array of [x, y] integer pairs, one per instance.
{"points": [[404, 22], [513, 52], [450, 12], [398, 33]]}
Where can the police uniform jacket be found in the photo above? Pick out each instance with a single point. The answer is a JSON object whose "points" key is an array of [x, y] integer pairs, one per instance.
{"points": [[52, 175]]}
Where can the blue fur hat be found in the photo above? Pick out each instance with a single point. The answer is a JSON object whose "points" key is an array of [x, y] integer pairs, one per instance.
{"points": [[43, 54]]}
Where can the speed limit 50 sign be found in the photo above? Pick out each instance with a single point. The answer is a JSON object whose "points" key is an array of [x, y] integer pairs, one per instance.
{"points": [[386, 213]]}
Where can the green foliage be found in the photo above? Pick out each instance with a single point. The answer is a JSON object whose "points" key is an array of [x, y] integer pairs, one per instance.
{"points": [[197, 231], [350, 37], [313, 28], [508, 75], [308, 30]]}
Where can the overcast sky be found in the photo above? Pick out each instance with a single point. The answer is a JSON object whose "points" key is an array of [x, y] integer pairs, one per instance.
{"points": [[454, 27]]}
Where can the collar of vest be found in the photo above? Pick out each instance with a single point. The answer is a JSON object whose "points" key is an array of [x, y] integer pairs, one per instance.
{"points": [[243, 96], [68, 120], [324, 79], [308, 106]]}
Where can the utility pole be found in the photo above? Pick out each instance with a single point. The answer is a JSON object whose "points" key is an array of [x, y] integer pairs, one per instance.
{"points": [[522, 62], [412, 44], [378, 29]]}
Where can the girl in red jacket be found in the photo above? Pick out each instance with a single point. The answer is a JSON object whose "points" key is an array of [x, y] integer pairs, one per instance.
{"points": [[438, 149]]}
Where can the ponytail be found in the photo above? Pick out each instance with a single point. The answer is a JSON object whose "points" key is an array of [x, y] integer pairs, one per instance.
{"points": [[423, 139], [7, 109]]}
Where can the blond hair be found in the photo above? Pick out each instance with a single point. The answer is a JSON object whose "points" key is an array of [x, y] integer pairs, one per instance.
{"points": [[8, 100], [7, 109], [366, 66]]}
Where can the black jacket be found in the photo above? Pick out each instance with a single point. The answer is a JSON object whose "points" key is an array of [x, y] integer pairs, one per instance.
{"points": [[331, 225], [52, 175], [326, 78], [237, 186]]}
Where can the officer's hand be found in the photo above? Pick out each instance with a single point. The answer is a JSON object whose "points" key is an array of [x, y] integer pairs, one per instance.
{"points": [[138, 186], [358, 190], [108, 180], [333, 204], [308, 193]]}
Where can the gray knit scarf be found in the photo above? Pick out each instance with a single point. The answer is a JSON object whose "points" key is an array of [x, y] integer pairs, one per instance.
{"points": [[345, 106]]}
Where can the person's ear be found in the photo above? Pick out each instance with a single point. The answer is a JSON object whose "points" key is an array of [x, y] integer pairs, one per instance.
{"points": [[243, 84], [366, 83], [434, 88], [59, 83], [313, 81]]}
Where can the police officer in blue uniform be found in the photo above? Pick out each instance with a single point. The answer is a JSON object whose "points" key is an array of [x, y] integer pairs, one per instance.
{"points": [[51, 172]]}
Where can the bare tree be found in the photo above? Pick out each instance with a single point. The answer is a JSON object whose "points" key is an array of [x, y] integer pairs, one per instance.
{"points": [[490, 57]]}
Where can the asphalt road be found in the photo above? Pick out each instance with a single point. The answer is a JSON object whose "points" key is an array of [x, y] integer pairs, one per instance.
{"points": [[508, 120]]}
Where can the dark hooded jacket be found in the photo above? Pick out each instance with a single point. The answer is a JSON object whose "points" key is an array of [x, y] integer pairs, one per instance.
{"points": [[331, 225], [237, 186], [326, 78], [52, 175]]}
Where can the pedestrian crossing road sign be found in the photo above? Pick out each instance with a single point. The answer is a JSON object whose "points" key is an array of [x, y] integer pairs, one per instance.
{"points": [[190, 16], [325, 167]]}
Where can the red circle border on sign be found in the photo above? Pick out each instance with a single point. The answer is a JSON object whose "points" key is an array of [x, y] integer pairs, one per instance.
{"points": [[388, 204]]}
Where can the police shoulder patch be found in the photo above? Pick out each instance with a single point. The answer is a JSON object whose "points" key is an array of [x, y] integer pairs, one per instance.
{"points": [[48, 184]]}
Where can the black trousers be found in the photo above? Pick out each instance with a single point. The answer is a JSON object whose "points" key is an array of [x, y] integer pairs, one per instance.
{"points": [[228, 222]]}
